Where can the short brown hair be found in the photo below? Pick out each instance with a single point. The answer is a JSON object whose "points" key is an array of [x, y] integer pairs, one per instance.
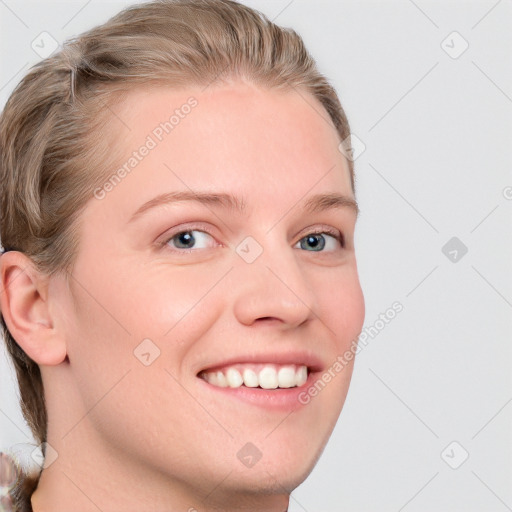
{"points": [[53, 151]]}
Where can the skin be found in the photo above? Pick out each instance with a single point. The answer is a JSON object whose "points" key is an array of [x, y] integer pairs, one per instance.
{"points": [[130, 436]]}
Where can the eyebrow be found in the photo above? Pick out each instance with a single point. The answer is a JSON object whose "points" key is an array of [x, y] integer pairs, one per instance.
{"points": [[316, 203]]}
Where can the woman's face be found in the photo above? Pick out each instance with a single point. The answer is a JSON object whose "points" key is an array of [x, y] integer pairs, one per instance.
{"points": [[245, 286]]}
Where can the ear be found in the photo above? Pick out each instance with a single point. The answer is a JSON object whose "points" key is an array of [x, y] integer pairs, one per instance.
{"points": [[24, 306]]}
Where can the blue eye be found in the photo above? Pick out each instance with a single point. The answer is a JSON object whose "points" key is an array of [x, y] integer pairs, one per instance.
{"points": [[186, 240], [192, 239], [317, 241]]}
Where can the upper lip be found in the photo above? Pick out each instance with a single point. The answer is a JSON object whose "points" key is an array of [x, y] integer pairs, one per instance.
{"points": [[313, 362]]}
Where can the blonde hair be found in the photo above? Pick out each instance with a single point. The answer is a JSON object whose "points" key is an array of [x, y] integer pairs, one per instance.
{"points": [[53, 149]]}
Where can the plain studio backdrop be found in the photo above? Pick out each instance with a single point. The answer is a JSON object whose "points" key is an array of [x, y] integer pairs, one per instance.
{"points": [[427, 88]]}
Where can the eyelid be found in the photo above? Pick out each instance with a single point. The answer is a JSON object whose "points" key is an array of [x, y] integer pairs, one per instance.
{"points": [[327, 230], [320, 228], [195, 226], [192, 226]]}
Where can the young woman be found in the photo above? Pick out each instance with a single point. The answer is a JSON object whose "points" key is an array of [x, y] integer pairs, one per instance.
{"points": [[180, 289]]}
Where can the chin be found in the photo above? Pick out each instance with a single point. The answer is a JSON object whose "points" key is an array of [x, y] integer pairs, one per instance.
{"points": [[273, 480], [282, 468]]}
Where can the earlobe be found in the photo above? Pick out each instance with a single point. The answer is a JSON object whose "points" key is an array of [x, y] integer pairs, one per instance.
{"points": [[24, 306]]}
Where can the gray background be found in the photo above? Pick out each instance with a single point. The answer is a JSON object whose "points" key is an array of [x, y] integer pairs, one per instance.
{"points": [[436, 125]]}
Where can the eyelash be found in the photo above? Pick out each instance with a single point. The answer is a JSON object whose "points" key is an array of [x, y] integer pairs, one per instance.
{"points": [[320, 231]]}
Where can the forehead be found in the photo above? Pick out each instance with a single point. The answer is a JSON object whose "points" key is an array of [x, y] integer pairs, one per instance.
{"points": [[238, 138], [244, 124]]}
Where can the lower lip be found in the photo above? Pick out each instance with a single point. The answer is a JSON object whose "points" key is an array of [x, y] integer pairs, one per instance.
{"points": [[279, 399]]}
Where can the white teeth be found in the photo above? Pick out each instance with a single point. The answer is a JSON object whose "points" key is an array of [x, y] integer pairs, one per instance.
{"points": [[269, 376], [220, 380], [234, 378], [286, 377], [302, 375], [250, 378]]}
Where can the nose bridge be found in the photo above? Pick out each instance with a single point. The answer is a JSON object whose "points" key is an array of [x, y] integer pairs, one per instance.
{"points": [[269, 281]]}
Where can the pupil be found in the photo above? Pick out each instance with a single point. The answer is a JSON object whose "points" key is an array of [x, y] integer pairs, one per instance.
{"points": [[315, 241], [185, 238]]}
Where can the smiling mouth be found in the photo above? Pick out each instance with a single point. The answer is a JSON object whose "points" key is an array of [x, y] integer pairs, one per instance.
{"points": [[264, 376]]}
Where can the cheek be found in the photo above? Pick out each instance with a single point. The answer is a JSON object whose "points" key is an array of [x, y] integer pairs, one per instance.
{"points": [[341, 305], [174, 305], [147, 301]]}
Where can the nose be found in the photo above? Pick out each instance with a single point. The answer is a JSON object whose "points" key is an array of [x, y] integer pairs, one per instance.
{"points": [[273, 288]]}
